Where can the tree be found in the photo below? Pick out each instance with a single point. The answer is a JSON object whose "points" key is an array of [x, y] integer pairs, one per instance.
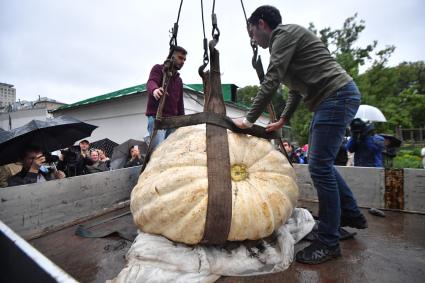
{"points": [[397, 91], [340, 43], [246, 95]]}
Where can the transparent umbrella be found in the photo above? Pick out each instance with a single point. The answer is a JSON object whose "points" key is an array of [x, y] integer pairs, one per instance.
{"points": [[371, 113], [121, 153]]}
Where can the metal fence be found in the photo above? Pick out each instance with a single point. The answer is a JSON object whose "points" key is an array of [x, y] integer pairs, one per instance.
{"points": [[413, 136]]}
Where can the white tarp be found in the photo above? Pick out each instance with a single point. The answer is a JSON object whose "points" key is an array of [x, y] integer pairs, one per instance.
{"points": [[154, 258]]}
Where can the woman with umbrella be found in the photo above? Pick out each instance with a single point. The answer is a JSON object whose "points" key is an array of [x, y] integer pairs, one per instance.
{"points": [[365, 144]]}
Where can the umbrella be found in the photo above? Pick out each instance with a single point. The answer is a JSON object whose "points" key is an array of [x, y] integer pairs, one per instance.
{"points": [[371, 113], [391, 141], [122, 152], [50, 135], [104, 144]]}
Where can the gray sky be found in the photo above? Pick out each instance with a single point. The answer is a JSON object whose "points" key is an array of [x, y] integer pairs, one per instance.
{"points": [[70, 50]]}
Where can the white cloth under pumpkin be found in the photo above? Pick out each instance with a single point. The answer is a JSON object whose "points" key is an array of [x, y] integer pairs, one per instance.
{"points": [[154, 258]]}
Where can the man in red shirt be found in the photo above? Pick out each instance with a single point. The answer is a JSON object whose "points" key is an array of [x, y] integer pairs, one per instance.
{"points": [[174, 105]]}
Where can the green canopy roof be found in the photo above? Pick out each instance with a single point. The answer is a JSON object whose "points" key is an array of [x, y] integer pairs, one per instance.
{"points": [[229, 92], [107, 96]]}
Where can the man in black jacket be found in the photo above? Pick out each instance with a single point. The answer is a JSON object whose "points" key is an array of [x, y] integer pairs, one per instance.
{"points": [[74, 162], [33, 170]]}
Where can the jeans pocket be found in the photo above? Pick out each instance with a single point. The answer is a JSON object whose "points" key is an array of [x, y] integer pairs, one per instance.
{"points": [[351, 107]]}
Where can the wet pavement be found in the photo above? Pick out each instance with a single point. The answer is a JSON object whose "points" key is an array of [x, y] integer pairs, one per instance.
{"points": [[392, 249]]}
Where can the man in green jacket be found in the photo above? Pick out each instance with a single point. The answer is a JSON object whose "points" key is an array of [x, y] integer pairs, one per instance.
{"points": [[301, 61]]}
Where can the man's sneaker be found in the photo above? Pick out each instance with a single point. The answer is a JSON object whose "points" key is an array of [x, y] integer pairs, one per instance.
{"points": [[358, 222], [317, 253]]}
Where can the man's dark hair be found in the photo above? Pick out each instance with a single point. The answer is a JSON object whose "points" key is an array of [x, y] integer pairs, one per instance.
{"points": [[289, 144], [180, 49], [28, 149], [267, 13]]}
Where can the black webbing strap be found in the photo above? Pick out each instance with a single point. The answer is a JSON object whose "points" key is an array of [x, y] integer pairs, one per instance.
{"points": [[128, 233], [213, 119]]}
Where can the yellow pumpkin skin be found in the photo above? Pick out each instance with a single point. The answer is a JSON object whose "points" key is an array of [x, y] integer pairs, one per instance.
{"points": [[171, 195]]}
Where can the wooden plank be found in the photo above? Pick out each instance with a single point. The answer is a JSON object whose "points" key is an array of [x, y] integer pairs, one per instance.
{"points": [[414, 189], [38, 208], [367, 184]]}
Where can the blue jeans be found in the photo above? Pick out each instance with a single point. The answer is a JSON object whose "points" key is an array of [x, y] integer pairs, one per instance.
{"points": [[327, 131], [161, 135]]}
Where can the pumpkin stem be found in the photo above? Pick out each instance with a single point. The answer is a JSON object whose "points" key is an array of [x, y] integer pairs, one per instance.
{"points": [[238, 172]]}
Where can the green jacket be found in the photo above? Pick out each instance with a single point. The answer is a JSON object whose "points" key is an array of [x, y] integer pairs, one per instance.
{"points": [[301, 61]]}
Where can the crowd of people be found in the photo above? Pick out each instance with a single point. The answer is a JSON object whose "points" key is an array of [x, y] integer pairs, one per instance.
{"points": [[36, 166]]}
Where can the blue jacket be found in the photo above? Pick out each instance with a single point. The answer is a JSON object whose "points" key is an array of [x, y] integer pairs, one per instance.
{"points": [[367, 150]]}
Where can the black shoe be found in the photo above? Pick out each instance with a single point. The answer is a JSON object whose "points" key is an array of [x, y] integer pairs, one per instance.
{"points": [[317, 253], [358, 222], [343, 235]]}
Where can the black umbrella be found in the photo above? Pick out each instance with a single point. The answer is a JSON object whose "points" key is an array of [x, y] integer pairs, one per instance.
{"points": [[122, 152], [104, 144], [50, 135]]}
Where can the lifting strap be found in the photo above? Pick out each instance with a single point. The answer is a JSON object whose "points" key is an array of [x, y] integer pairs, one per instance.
{"points": [[219, 207], [214, 119]]}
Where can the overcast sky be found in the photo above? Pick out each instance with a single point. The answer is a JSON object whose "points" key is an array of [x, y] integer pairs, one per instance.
{"points": [[71, 50]]}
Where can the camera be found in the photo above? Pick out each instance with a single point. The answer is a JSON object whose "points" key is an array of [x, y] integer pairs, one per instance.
{"points": [[69, 156], [360, 129], [50, 158]]}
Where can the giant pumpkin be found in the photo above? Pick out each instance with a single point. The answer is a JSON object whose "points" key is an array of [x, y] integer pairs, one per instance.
{"points": [[171, 195]]}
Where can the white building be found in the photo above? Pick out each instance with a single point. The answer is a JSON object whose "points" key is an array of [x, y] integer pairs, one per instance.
{"points": [[15, 119], [7, 95], [120, 115]]}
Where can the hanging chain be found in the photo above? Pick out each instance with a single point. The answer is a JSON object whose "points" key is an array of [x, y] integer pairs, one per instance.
{"points": [[174, 31], [254, 46], [206, 60], [215, 30]]}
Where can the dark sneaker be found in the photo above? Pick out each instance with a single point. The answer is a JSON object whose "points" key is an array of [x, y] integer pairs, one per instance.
{"points": [[358, 222], [317, 253], [343, 235]]}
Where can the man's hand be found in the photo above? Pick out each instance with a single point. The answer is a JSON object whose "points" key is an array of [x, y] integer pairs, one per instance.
{"points": [[157, 93], [59, 174], [37, 162], [276, 125], [239, 122]]}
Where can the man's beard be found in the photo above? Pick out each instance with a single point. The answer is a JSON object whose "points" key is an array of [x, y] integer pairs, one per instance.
{"points": [[264, 39]]}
